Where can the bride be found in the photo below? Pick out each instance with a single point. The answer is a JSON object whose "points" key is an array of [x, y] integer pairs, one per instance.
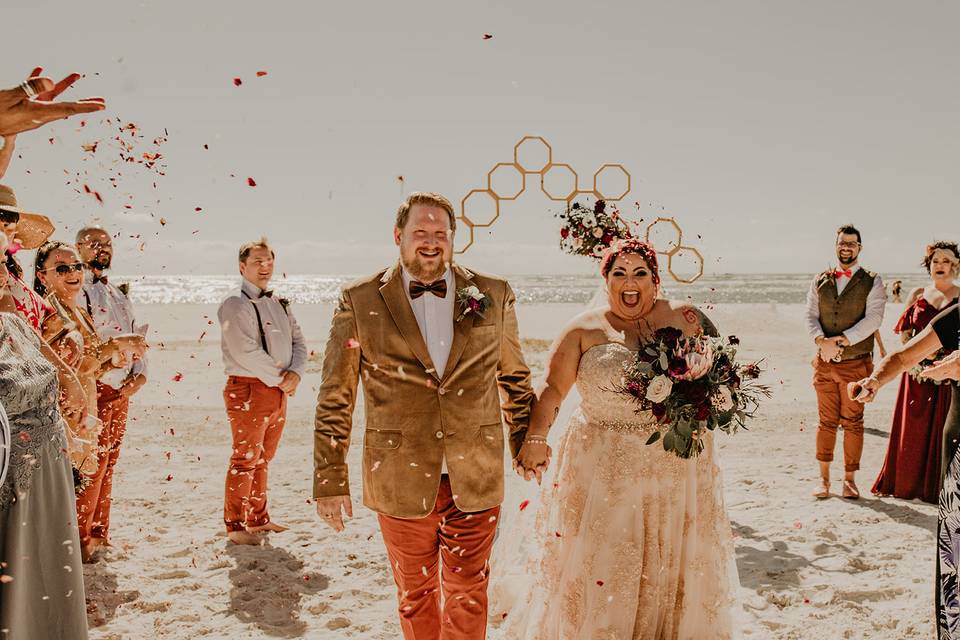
{"points": [[631, 542]]}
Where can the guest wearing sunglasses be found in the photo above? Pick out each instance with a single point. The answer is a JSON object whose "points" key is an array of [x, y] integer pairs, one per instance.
{"points": [[112, 315], [59, 276]]}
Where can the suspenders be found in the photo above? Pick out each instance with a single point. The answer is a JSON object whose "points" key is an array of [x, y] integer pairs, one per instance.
{"points": [[263, 336]]}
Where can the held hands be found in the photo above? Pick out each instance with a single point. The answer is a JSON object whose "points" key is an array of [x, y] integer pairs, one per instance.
{"points": [[32, 104], [864, 391], [73, 401], [125, 349], [533, 459], [946, 369], [831, 348], [331, 510], [132, 384], [289, 383]]}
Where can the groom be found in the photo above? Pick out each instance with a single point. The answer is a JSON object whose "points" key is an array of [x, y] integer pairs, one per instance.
{"points": [[438, 350]]}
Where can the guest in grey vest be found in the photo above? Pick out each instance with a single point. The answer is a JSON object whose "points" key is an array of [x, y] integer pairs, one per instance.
{"points": [[845, 308]]}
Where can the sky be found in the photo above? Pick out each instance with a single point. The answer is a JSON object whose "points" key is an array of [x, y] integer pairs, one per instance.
{"points": [[760, 126]]}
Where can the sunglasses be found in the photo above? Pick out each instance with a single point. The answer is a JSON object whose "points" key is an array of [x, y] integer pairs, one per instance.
{"points": [[64, 269], [9, 217]]}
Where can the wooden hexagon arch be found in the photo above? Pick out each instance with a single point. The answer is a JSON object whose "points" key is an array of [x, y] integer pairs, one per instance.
{"points": [[471, 226]]}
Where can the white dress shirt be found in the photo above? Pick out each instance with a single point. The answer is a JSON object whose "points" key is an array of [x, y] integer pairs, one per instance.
{"points": [[112, 314], [872, 319], [435, 319], [243, 353]]}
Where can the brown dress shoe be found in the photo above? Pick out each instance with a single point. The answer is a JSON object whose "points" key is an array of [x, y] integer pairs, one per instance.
{"points": [[245, 537], [850, 491], [824, 491]]}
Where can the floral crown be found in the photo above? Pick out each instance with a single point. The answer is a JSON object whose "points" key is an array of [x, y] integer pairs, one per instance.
{"points": [[635, 246]]}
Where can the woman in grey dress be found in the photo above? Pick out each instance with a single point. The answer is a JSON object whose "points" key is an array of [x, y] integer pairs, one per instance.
{"points": [[41, 584]]}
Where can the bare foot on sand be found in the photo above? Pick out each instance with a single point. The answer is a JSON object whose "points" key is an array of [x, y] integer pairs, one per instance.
{"points": [[245, 537], [270, 526], [88, 550]]}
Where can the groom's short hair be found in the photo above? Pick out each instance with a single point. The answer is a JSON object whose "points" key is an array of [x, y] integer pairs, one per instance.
{"points": [[247, 247], [429, 198], [850, 230]]}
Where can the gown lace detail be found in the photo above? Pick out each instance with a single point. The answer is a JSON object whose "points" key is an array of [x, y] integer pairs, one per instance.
{"points": [[632, 542], [29, 388]]}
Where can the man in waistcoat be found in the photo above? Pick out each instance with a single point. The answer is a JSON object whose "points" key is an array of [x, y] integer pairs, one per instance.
{"points": [[264, 357], [845, 309]]}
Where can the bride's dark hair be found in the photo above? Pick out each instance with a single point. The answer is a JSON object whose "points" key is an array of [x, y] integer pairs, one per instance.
{"points": [[635, 246]]}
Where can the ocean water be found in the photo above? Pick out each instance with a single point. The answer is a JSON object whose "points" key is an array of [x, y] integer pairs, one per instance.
{"points": [[535, 289]]}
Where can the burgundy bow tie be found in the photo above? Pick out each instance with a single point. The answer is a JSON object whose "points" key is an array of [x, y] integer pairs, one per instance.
{"points": [[97, 279], [438, 288], [266, 294], [847, 274]]}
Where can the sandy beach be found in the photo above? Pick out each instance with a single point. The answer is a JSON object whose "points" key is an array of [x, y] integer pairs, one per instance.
{"points": [[809, 569]]}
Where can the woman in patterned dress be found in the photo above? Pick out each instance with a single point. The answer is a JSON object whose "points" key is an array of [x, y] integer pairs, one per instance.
{"points": [[942, 334], [632, 542]]}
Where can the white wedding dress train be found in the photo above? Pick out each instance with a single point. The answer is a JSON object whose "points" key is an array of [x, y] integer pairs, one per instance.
{"points": [[630, 542]]}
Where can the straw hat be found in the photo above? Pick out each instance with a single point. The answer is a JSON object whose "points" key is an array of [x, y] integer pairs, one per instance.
{"points": [[33, 229]]}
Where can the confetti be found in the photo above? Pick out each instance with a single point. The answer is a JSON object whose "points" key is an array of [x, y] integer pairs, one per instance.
{"points": [[352, 344], [177, 378], [237, 82], [251, 182], [524, 505], [260, 74], [487, 36]]}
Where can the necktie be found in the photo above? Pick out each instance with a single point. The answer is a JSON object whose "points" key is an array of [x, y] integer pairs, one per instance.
{"points": [[846, 274], [438, 288], [266, 294]]}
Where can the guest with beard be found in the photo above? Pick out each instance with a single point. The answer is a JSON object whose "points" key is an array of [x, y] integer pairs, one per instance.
{"points": [[844, 310], [264, 357], [912, 465], [112, 315]]}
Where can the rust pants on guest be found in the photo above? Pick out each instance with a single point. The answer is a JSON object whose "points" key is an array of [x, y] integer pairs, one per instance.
{"points": [[445, 552], [93, 505], [830, 381], [257, 414]]}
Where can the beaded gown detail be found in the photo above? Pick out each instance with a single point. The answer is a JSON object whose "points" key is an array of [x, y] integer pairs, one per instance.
{"points": [[631, 542]]}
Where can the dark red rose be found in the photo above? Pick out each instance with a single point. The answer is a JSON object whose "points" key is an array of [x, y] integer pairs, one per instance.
{"points": [[600, 206], [695, 391], [635, 389], [643, 356], [678, 367], [734, 340], [576, 205], [668, 335], [703, 412], [607, 238], [564, 233], [659, 411]]}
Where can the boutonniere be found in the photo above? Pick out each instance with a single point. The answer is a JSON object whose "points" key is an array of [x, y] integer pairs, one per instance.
{"points": [[285, 303], [472, 300], [124, 288]]}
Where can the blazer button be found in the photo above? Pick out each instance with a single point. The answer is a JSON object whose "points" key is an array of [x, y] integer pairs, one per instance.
{"points": [[439, 434], [442, 391]]}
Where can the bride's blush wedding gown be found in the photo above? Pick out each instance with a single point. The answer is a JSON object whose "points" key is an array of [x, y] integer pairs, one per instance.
{"points": [[630, 542]]}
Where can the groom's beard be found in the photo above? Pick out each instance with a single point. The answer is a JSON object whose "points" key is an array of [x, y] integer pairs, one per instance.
{"points": [[846, 262], [421, 273]]}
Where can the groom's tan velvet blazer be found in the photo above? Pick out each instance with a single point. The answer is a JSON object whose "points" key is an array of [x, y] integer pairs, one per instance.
{"points": [[413, 417]]}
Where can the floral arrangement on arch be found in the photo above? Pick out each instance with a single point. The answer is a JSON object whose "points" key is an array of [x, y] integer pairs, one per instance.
{"points": [[691, 385], [588, 232]]}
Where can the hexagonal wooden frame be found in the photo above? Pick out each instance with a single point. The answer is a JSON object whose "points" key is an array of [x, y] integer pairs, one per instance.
{"points": [[569, 198]]}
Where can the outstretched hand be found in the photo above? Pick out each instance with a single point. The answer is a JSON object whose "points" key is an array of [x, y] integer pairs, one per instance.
{"points": [[946, 369], [31, 104], [533, 460]]}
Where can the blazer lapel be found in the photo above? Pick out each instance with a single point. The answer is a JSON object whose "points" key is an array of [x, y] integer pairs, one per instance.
{"points": [[461, 330], [399, 306]]}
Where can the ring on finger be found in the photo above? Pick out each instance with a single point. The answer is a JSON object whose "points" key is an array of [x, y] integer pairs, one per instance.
{"points": [[27, 86]]}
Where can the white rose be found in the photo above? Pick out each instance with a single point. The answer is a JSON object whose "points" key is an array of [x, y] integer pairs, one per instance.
{"points": [[724, 399], [473, 292], [659, 389], [597, 233], [589, 220]]}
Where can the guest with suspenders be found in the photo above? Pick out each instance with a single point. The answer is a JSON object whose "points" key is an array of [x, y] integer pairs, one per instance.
{"points": [[264, 357], [112, 314]]}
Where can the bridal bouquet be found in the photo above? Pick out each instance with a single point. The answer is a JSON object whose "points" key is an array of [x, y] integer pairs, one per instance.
{"points": [[692, 385], [588, 232]]}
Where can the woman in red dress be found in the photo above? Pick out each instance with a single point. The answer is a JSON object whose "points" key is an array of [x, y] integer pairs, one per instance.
{"points": [[912, 466]]}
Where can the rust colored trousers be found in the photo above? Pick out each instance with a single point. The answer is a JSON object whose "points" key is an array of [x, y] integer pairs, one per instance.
{"points": [[257, 414], [93, 505], [446, 552], [830, 381]]}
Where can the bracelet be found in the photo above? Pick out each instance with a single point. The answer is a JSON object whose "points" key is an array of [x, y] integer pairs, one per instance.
{"points": [[535, 440]]}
